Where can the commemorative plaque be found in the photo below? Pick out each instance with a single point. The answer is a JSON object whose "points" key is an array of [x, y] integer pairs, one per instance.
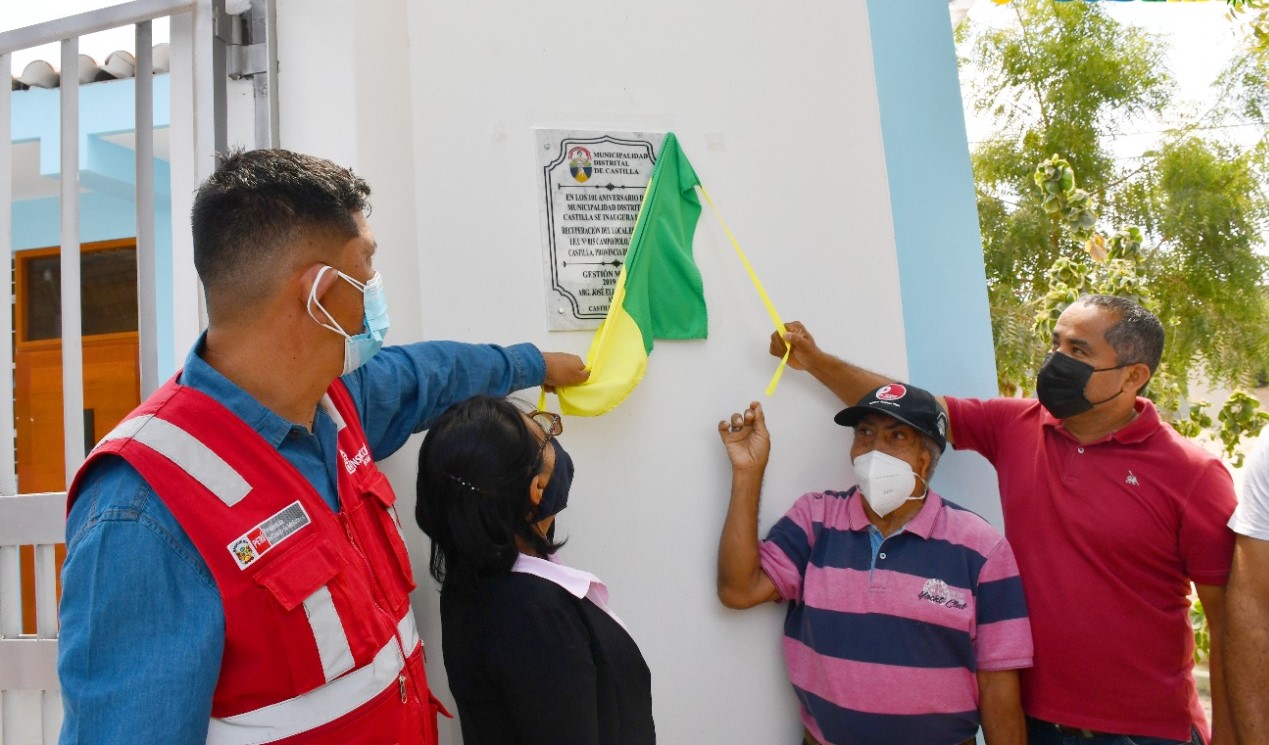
{"points": [[590, 186]]}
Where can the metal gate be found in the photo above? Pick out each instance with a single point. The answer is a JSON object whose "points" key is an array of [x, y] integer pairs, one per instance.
{"points": [[208, 47]]}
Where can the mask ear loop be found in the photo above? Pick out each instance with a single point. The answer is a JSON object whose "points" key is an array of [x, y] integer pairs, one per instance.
{"points": [[312, 300]]}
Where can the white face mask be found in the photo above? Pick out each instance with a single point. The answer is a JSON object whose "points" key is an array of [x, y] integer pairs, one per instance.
{"points": [[885, 481]]}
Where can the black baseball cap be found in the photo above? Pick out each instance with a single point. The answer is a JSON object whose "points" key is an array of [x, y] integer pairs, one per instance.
{"points": [[915, 407]]}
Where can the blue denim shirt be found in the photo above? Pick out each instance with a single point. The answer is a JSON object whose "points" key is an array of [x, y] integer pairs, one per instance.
{"points": [[142, 627]]}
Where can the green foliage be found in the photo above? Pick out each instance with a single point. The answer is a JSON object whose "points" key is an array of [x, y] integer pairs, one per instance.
{"points": [[1240, 418], [1177, 228], [1060, 81], [1244, 86], [1202, 632], [1062, 201], [1255, 13]]}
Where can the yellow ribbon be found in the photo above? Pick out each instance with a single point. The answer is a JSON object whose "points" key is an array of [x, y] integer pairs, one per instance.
{"points": [[766, 300]]}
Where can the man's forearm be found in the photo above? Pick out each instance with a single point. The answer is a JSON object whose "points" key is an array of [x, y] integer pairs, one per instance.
{"points": [[1213, 599], [848, 382], [1223, 732], [1000, 708], [740, 573], [1247, 640]]}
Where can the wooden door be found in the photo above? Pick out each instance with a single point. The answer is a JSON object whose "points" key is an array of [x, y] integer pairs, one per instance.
{"points": [[111, 354]]}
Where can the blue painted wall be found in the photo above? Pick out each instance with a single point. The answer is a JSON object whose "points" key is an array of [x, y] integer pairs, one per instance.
{"points": [[939, 247], [107, 175], [947, 323]]}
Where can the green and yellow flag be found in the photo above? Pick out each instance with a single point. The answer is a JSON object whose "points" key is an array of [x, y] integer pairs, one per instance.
{"points": [[659, 292]]}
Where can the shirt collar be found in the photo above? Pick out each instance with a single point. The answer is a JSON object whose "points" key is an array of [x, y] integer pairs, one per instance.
{"points": [[574, 581], [921, 524], [1141, 427], [200, 376]]}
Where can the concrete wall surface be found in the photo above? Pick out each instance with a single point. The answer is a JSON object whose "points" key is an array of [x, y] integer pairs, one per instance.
{"points": [[778, 108]]}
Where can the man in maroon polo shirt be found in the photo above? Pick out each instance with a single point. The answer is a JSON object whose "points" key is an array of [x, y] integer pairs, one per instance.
{"points": [[1111, 514]]}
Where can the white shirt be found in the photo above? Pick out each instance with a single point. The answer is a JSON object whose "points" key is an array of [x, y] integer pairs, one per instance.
{"points": [[1252, 516]]}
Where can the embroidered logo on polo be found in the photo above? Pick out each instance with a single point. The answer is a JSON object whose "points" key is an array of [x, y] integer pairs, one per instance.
{"points": [[938, 592], [1131, 480], [262, 538]]}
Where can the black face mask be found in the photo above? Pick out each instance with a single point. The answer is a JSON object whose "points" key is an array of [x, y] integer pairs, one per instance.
{"points": [[1060, 385], [555, 495]]}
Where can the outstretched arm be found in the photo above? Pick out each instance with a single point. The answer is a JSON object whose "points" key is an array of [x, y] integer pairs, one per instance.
{"points": [[741, 581], [848, 382]]}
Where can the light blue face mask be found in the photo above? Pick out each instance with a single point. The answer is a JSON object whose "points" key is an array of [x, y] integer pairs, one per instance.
{"points": [[360, 348]]}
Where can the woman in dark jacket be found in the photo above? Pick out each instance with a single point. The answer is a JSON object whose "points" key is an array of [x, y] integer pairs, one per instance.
{"points": [[533, 652]]}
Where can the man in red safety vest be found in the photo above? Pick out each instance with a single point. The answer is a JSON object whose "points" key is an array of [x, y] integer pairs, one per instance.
{"points": [[236, 569]]}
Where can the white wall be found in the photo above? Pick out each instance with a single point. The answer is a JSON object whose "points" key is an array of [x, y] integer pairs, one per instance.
{"points": [[343, 95], [775, 105], [787, 96]]}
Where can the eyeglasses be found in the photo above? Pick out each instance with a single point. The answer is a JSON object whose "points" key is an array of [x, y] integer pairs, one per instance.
{"points": [[551, 425]]}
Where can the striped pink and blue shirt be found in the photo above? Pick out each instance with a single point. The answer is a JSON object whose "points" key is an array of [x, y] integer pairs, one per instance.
{"points": [[883, 638]]}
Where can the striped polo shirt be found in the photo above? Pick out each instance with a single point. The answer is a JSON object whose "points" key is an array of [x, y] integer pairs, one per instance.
{"points": [[884, 647]]}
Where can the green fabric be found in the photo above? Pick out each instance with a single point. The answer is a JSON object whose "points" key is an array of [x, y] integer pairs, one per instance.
{"points": [[664, 293]]}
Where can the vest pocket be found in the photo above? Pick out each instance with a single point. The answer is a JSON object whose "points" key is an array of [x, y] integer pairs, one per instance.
{"points": [[298, 573], [390, 525], [303, 577]]}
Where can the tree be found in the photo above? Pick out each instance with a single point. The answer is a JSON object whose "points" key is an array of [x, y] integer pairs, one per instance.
{"points": [[1177, 227], [1255, 13]]}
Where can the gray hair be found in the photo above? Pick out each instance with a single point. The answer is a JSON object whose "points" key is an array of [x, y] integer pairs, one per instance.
{"points": [[1137, 337], [935, 452]]}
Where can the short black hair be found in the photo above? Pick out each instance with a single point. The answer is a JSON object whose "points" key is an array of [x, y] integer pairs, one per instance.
{"points": [[475, 467], [1137, 337], [247, 213]]}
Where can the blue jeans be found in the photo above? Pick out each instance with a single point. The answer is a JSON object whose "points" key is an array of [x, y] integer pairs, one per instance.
{"points": [[1042, 734]]}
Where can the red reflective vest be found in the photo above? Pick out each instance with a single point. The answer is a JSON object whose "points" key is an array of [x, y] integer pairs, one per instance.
{"points": [[320, 642]]}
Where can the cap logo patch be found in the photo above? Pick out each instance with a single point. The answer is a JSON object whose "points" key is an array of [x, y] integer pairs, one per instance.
{"points": [[892, 392], [941, 423]]}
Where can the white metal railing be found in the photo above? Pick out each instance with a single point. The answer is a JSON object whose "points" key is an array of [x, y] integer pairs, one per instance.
{"points": [[28, 662]]}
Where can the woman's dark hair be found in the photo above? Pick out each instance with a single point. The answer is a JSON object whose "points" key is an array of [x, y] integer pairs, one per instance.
{"points": [[475, 467]]}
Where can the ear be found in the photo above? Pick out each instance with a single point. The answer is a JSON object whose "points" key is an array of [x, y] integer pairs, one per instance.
{"points": [[537, 487], [1138, 376], [324, 280], [923, 460]]}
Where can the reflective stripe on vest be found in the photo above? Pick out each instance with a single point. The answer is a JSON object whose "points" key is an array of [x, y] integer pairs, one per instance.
{"points": [[321, 705], [328, 632], [329, 405], [186, 451]]}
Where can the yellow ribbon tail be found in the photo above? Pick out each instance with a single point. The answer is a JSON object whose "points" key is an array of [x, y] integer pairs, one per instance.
{"points": [[775, 379], [762, 293]]}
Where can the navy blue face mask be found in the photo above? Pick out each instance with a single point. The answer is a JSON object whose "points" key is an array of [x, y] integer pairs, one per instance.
{"points": [[555, 495]]}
